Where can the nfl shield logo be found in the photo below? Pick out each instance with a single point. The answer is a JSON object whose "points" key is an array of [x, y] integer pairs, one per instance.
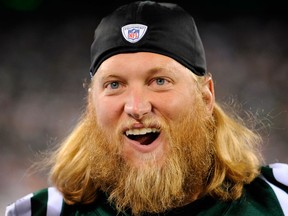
{"points": [[133, 32]]}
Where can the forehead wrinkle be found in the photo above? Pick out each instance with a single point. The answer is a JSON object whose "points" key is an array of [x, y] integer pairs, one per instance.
{"points": [[156, 70], [103, 75], [149, 72]]}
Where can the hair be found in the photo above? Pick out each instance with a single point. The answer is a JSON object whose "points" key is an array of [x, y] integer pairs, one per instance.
{"points": [[238, 153], [236, 162]]}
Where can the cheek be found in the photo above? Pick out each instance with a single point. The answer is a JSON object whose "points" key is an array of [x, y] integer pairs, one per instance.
{"points": [[178, 104], [107, 112]]}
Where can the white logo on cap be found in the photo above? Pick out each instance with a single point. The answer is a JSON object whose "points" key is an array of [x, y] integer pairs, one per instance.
{"points": [[133, 32]]}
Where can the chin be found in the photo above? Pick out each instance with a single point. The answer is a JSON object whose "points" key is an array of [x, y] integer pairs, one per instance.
{"points": [[139, 159]]}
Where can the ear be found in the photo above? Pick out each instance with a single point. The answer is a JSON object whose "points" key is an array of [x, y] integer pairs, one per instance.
{"points": [[208, 93]]}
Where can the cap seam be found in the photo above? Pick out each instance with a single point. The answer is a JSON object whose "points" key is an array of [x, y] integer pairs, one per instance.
{"points": [[139, 10]]}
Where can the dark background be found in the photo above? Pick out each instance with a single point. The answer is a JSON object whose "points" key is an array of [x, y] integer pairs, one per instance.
{"points": [[44, 60]]}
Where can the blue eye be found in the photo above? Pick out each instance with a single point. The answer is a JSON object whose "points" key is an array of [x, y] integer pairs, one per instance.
{"points": [[114, 85], [160, 81]]}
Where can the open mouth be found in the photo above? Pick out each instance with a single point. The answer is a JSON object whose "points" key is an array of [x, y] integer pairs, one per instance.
{"points": [[144, 136]]}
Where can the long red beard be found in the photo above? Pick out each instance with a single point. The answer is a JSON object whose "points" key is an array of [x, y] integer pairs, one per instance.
{"points": [[153, 188]]}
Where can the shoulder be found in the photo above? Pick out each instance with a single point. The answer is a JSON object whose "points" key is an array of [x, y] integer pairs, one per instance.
{"points": [[269, 192], [265, 195], [276, 176], [47, 201]]}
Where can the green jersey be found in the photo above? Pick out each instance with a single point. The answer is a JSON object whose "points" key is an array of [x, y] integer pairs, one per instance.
{"points": [[266, 195]]}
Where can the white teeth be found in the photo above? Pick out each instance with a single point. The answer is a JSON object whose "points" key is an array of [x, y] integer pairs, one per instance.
{"points": [[141, 131]]}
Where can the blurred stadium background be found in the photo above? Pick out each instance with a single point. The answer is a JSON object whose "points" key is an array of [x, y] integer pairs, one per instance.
{"points": [[44, 60]]}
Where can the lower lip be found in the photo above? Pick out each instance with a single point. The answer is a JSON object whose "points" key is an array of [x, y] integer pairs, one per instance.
{"points": [[144, 148]]}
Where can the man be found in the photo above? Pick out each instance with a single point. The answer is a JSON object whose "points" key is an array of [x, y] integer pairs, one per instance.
{"points": [[153, 140]]}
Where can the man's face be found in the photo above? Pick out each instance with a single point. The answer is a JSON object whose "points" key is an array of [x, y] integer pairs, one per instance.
{"points": [[135, 94], [151, 132]]}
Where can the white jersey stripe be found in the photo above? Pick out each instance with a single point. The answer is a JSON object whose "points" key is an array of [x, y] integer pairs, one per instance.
{"points": [[10, 210], [55, 201], [280, 172], [281, 196], [20, 207]]}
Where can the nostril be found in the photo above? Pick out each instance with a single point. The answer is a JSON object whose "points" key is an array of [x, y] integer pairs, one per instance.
{"points": [[135, 115], [137, 112]]}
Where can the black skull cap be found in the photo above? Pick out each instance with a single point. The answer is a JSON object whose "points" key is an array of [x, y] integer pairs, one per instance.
{"points": [[148, 26]]}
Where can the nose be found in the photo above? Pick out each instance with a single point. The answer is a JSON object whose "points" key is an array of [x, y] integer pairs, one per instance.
{"points": [[137, 105]]}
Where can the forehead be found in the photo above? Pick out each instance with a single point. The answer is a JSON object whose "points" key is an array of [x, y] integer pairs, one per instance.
{"points": [[141, 63]]}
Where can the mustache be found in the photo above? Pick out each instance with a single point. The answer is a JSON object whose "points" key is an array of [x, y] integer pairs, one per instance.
{"points": [[147, 122]]}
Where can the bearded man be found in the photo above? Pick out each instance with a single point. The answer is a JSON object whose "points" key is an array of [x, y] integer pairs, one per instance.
{"points": [[153, 140]]}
